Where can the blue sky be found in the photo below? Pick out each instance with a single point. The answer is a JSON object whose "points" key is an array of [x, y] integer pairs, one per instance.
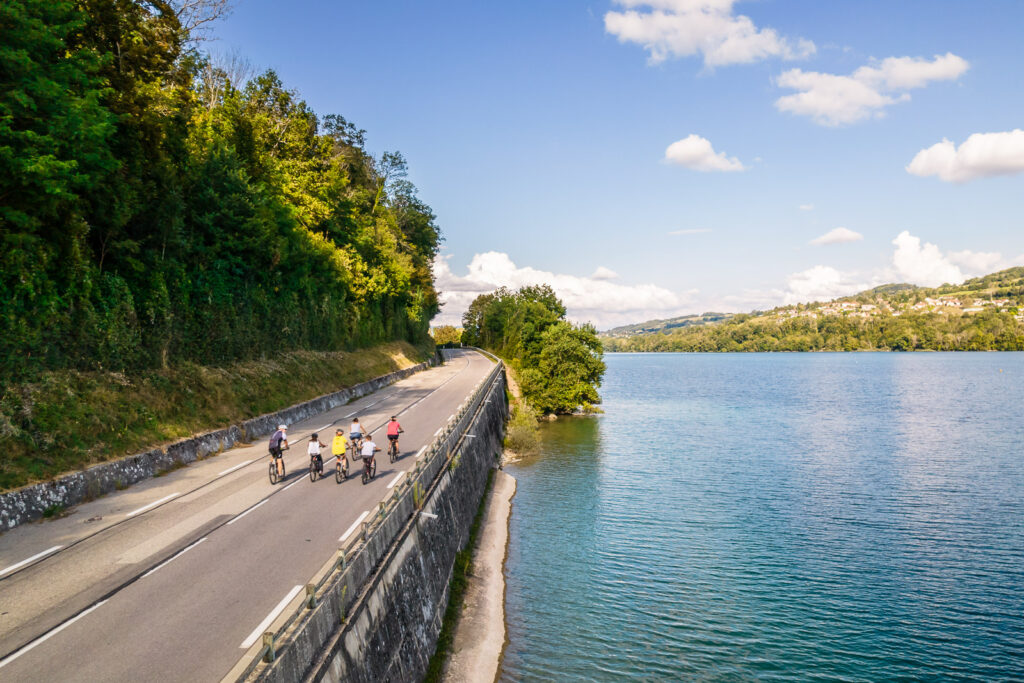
{"points": [[539, 131]]}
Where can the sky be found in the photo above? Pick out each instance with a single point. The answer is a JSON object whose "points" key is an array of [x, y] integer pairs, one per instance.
{"points": [[659, 158]]}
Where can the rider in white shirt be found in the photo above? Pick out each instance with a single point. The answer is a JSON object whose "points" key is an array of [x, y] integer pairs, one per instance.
{"points": [[314, 451], [367, 451]]}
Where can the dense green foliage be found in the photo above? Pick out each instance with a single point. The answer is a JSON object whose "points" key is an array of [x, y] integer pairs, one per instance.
{"points": [[559, 364], [446, 334], [900, 318], [156, 209]]}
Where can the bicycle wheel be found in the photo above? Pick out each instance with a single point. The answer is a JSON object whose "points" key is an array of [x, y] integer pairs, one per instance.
{"points": [[339, 474], [273, 471], [366, 474], [373, 469], [312, 470], [393, 451]]}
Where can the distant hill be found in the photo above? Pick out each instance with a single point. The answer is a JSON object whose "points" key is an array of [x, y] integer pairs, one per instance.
{"points": [[983, 313], [652, 326]]}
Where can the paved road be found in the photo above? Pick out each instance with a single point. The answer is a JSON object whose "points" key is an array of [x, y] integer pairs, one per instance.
{"points": [[172, 579]]}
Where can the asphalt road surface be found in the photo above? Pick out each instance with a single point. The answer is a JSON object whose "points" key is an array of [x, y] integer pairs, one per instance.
{"points": [[173, 579]]}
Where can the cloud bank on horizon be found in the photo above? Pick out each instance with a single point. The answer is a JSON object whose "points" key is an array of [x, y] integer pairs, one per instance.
{"points": [[598, 300], [982, 155]]}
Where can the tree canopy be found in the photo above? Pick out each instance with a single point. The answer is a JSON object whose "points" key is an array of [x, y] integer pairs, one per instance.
{"points": [[156, 207], [559, 364]]}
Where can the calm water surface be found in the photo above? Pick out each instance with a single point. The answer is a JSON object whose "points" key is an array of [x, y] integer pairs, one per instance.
{"points": [[854, 517]]}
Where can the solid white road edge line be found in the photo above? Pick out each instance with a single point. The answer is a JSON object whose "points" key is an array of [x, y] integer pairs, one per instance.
{"points": [[46, 552], [152, 505], [439, 429], [355, 525], [248, 511], [395, 480], [291, 485], [44, 638], [232, 469], [254, 636], [172, 559], [421, 452]]}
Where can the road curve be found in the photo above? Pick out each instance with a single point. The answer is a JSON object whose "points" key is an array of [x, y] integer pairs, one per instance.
{"points": [[173, 579]]}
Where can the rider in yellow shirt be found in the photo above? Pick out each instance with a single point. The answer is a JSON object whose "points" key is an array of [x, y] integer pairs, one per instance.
{"points": [[339, 445]]}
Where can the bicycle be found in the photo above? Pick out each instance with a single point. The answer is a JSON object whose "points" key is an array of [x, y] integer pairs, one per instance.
{"points": [[341, 470], [393, 449], [276, 464], [316, 467], [369, 469]]}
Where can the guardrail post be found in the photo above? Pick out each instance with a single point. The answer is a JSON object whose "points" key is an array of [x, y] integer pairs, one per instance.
{"points": [[366, 525], [310, 596], [383, 509], [268, 643], [342, 561]]}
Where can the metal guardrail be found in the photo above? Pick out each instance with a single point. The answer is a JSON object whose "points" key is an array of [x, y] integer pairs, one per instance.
{"points": [[431, 463]]}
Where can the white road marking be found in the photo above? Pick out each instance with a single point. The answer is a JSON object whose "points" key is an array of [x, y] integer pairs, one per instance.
{"points": [[232, 469], [355, 525], [422, 451], [395, 480], [172, 559], [248, 511], [451, 417], [255, 635], [439, 429], [291, 485], [324, 428], [46, 552], [351, 414], [40, 640], [152, 505]]}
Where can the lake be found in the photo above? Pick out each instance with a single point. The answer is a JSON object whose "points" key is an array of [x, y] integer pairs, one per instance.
{"points": [[855, 517]]}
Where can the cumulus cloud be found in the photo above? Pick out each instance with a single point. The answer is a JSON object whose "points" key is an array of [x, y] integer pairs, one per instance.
{"points": [[834, 100], [982, 155], [595, 299], [838, 236], [923, 264], [821, 283], [697, 153], [683, 28]]}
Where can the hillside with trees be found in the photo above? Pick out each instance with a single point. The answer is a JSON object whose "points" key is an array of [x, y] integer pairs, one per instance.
{"points": [[982, 314], [159, 207]]}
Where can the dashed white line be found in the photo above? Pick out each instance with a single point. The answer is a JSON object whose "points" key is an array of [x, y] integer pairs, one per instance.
{"points": [[48, 551], [355, 525], [451, 417], [324, 428], [439, 429], [232, 469], [291, 485], [151, 505], [40, 640], [248, 511], [172, 559], [351, 414], [421, 452], [254, 636], [395, 480]]}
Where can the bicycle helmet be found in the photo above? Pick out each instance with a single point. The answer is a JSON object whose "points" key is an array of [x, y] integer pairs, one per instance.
{"points": [[314, 436], [282, 427]]}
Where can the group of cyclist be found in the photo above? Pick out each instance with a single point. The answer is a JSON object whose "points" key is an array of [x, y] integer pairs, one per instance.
{"points": [[361, 440]]}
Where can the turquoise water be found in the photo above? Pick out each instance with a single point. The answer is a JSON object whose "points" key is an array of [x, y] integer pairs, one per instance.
{"points": [[855, 517]]}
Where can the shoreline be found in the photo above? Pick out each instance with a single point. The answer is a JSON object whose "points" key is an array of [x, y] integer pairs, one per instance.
{"points": [[480, 634]]}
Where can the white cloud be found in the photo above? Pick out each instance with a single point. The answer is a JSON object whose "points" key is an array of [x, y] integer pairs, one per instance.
{"points": [[821, 283], [690, 231], [923, 264], [833, 100], [806, 207], [603, 273], [982, 155], [977, 262], [696, 153], [683, 28], [838, 236], [594, 299]]}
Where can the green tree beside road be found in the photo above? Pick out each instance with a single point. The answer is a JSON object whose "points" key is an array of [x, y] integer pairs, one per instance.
{"points": [[558, 363]]}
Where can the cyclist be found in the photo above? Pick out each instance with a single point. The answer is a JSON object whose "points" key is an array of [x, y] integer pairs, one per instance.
{"points": [[279, 443], [314, 452], [367, 451], [356, 432], [394, 429], [338, 446]]}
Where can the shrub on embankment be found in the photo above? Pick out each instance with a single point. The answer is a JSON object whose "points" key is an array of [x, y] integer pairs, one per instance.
{"points": [[67, 420]]}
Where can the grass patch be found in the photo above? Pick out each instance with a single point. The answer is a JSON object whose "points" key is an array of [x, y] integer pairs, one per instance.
{"points": [[457, 592], [68, 420], [53, 511]]}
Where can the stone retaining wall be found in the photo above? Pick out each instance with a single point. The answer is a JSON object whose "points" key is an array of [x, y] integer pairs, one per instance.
{"points": [[30, 502]]}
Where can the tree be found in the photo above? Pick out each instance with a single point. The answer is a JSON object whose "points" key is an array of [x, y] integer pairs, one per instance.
{"points": [[446, 334]]}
